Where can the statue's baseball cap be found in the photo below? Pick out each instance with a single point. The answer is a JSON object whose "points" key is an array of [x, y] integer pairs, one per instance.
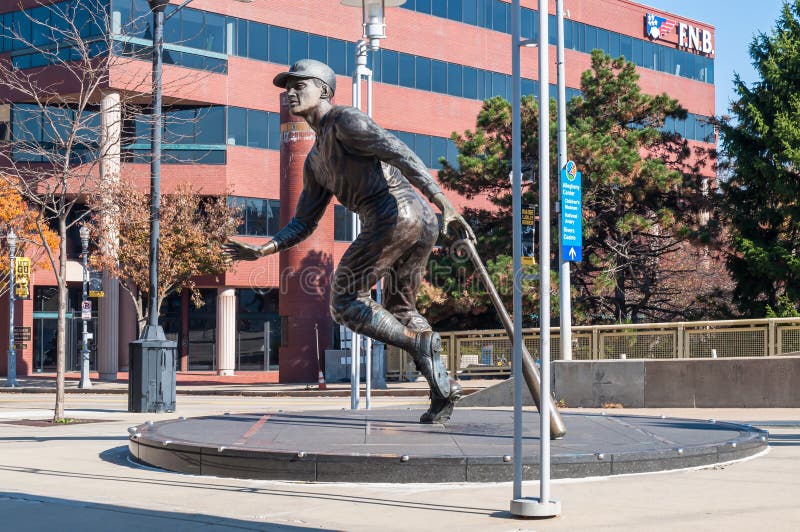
{"points": [[307, 69]]}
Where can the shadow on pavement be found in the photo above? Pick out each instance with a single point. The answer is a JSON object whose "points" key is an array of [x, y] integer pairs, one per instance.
{"points": [[22, 512], [169, 480], [40, 439], [783, 440]]}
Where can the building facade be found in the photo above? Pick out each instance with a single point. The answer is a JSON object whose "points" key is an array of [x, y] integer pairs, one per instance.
{"points": [[228, 134]]}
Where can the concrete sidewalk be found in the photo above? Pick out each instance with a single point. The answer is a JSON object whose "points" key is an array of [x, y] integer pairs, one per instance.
{"points": [[78, 477]]}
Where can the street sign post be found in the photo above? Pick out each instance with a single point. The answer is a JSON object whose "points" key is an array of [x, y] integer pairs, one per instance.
{"points": [[571, 215]]}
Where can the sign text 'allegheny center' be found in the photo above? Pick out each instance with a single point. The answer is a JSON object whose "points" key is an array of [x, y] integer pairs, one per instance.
{"points": [[571, 213]]}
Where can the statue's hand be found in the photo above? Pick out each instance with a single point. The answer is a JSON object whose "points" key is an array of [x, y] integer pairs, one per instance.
{"points": [[451, 219], [234, 250]]}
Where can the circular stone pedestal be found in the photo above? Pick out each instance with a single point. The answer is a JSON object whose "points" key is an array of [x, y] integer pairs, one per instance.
{"points": [[389, 445]]}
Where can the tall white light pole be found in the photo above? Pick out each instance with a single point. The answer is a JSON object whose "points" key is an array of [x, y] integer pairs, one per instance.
{"points": [[565, 299], [373, 21], [543, 506], [516, 208]]}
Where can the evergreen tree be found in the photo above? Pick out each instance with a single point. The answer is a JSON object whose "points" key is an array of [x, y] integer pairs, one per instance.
{"points": [[762, 194], [639, 209]]}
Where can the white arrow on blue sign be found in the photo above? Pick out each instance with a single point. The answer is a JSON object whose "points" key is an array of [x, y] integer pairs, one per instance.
{"points": [[571, 213]]}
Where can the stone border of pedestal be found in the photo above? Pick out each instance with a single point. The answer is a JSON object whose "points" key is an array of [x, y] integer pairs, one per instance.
{"points": [[388, 446]]}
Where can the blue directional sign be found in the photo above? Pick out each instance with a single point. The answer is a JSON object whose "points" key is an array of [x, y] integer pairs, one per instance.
{"points": [[571, 216]]}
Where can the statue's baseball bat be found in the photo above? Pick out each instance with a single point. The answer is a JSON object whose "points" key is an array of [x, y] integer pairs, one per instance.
{"points": [[529, 371]]}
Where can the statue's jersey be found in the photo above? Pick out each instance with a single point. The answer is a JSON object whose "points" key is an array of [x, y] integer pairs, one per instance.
{"points": [[369, 170]]}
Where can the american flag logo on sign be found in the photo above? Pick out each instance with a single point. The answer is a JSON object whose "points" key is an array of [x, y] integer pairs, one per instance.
{"points": [[657, 27]]}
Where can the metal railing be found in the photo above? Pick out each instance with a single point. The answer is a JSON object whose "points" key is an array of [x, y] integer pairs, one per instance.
{"points": [[488, 352]]}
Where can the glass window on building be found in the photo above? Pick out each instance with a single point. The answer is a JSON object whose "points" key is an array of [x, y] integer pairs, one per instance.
{"points": [[469, 11], [342, 224], [210, 125], [470, 83], [452, 154], [172, 25], [455, 9], [179, 126], [298, 46], [257, 41], [423, 73], [407, 70], [389, 67], [337, 56], [406, 138], [424, 6], [439, 76], [485, 13], [422, 146], [45, 328], [258, 329], [260, 217], [141, 21], [318, 48], [171, 320], [192, 26], [241, 36], [278, 45], [454, 79], [214, 34], [500, 12], [274, 131], [439, 8], [202, 341], [237, 126], [256, 128], [438, 149]]}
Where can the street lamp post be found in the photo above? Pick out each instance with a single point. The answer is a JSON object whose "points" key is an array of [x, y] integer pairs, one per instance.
{"points": [[84, 382], [153, 330], [153, 344], [373, 22], [11, 378]]}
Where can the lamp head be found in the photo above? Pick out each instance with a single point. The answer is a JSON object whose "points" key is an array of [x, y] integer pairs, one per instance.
{"points": [[373, 14], [158, 5], [84, 233], [11, 240]]}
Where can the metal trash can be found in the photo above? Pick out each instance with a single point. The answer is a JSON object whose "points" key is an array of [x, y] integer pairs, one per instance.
{"points": [[151, 378]]}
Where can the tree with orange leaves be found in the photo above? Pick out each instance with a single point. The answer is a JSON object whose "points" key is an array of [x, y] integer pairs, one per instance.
{"points": [[193, 229], [30, 229]]}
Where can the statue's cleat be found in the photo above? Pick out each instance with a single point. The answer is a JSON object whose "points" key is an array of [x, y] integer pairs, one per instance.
{"points": [[442, 407], [429, 362]]}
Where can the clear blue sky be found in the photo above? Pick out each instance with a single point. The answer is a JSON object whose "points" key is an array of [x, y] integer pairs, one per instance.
{"points": [[735, 23]]}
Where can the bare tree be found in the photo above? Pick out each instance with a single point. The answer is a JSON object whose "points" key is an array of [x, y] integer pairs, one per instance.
{"points": [[60, 147]]}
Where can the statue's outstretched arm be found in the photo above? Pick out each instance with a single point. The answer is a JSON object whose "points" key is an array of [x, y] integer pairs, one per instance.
{"points": [[310, 207]]}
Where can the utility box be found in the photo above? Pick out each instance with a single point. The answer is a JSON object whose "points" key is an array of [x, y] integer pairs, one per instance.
{"points": [[151, 377], [337, 365]]}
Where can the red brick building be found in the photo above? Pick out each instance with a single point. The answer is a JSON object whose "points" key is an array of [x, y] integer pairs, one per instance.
{"points": [[440, 60]]}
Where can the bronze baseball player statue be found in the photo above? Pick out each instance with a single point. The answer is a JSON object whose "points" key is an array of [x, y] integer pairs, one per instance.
{"points": [[371, 172]]}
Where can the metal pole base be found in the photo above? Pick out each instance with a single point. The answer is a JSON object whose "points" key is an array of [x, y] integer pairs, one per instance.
{"points": [[533, 507], [84, 383]]}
